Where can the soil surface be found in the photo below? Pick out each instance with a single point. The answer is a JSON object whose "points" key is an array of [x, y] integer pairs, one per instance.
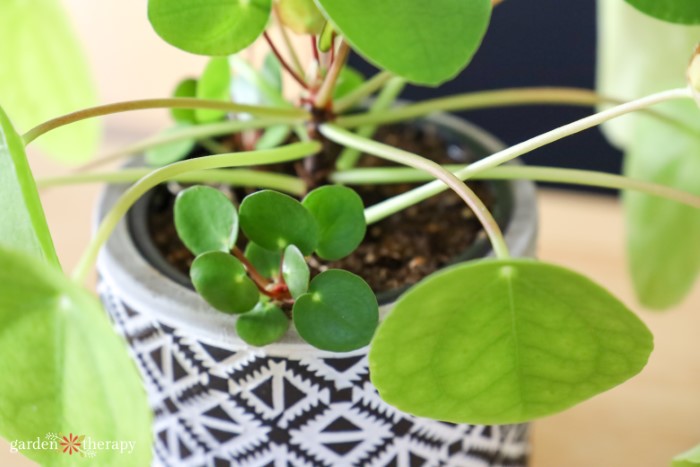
{"points": [[398, 251]]}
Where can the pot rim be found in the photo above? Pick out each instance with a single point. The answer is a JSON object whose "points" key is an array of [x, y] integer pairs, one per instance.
{"points": [[142, 287]]}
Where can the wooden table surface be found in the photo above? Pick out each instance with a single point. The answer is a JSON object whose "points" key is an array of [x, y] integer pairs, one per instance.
{"points": [[640, 424]]}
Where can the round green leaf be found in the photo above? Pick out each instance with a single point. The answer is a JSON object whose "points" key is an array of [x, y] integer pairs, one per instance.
{"points": [[340, 215], [424, 42], [262, 326], [266, 262], [494, 342], [215, 27], [165, 154], [213, 84], [205, 220], [673, 11], [301, 16], [274, 221], [223, 282], [295, 271], [185, 88], [339, 313]]}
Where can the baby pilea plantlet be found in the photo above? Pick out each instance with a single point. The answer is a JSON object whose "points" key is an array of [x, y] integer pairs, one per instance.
{"points": [[494, 341], [337, 311]]}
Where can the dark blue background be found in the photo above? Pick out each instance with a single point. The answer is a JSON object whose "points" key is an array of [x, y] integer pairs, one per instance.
{"points": [[534, 43]]}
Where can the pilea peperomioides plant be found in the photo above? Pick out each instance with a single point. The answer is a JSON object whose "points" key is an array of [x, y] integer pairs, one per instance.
{"points": [[269, 283], [494, 341]]}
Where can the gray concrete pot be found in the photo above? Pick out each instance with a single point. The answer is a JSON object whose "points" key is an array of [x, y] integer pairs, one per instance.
{"points": [[219, 402]]}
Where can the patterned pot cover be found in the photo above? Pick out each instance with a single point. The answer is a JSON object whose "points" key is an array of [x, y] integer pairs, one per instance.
{"points": [[219, 402]]}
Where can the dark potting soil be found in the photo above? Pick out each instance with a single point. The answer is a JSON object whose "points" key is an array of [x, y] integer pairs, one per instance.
{"points": [[397, 251]]}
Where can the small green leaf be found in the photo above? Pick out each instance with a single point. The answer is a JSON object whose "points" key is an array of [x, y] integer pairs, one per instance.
{"points": [[295, 271], [205, 220], [273, 137], [45, 74], [265, 261], [689, 458], [348, 80], [172, 152], [213, 84], [339, 313], [216, 27], [22, 222], [272, 72], [66, 369], [185, 88], [663, 247], [504, 341], [262, 326], [340, 215], [301, 16], [274, 221], [424, 42], [673, 11], [223, 282]]}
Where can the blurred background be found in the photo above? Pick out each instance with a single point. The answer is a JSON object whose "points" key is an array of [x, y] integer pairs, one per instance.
{"points": [[542, 42]]}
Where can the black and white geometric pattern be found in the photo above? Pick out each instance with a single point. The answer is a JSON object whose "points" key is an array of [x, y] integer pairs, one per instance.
{"points": [[240, 407]]}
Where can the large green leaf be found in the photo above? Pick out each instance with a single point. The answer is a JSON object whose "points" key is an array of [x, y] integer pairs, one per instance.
{"points": [[301, 16], [495, 342], [264, 325], [663, 236], [66, 371], [44, 74], [22, 222], [213, 27], [689, 458], [638, 55], [424, 42], [674, 11]]}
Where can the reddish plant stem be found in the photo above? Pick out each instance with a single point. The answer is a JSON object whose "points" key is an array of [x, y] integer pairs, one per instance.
{"points": [[314, 49], [260, 281], [284, 63]]}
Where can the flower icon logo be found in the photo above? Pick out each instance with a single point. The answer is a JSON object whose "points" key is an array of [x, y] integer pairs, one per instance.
{"points": [[70, 444]]}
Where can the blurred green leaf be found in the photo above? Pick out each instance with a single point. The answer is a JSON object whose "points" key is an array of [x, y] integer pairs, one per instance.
{"points": [[273, 137], [301, 16], [689, 458], [215, 27], [185, 88], [45, 74], [424, 42], [295, 271], [271, 72], [264, 325], [205, 220], [674, 11], [274, 221], [22, 222], [223, 282], [340, 214], [172, 152], [504, 341], [339, 313], [663, 247], [71, 373], [215, 84]]}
